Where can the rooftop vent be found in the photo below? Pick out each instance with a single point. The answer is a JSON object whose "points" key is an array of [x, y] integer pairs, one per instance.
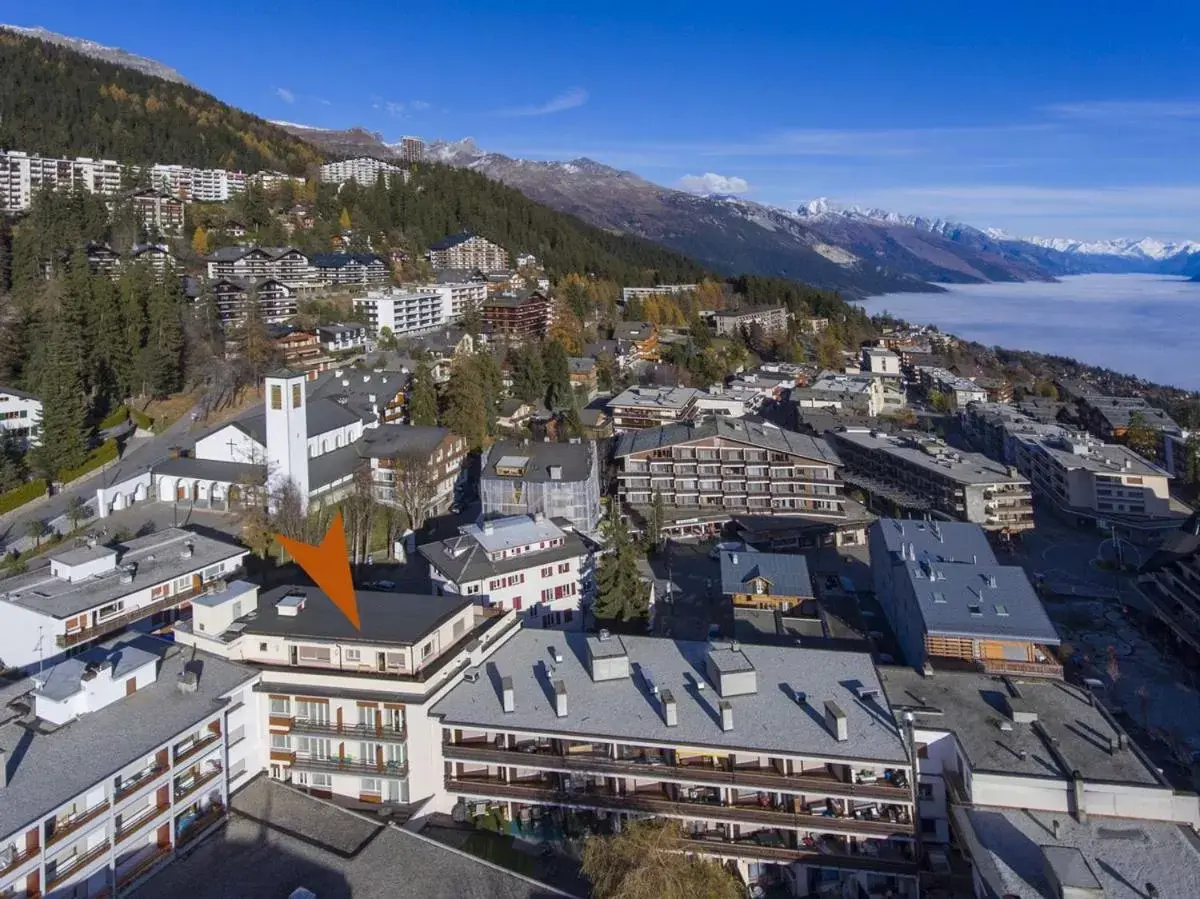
{"points": [[471, 675], [189, 681], [670, 709], [731, 672], [560, 699], [291, 604], [556, 655], [835, 720], [187, 551], [726, 715], [506, 693], [1019, 710], [489, 528], [556, 472]]}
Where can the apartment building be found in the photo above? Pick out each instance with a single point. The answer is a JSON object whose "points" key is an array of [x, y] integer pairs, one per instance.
{"points": [[20, 415], [712, 472], [298, 348], [950, 604], [1109, 417], [93, 591], [662, 290], [345, 710], [363, 170], [784, 761], [275, 300], [438, 454], [286, 264], [560, 480], [960, 392], [406, 311], [272, 180], [116, 759], [880, 361], [729, 402], [376, 396], [518, 316], [1170, 584], [916, 472], [772, 320], [198, 185], [651, 407], [1039, 789], [158, 211], [463, 291], [22, 175], [1080, 476], [412, 149], [342, 338], [469, 251], [538, 566], [360, 269], [1181, 455], [775, 582], [857, 394]]}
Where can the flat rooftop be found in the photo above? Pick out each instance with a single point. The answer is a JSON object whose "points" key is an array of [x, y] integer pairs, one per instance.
{"points": [[1122, 854], [677, 398], [158, 558], [971, 704], [536, 459], [386, 618], [48, 766], [836, 382], [1078, 451], [279, 839], [932, 456], [769, 720]]}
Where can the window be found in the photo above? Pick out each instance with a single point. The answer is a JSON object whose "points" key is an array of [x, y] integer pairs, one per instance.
{"points": [[472, 589], [564, 567], [548, 594], [281, 706], [279, 741], [321, 780], [276, 396], [315, 747], [111, 609], [372, 785], [925, 791], [313, 654], [922, 750], [352, 655], [184, 583], [427, 650], [548, 570], [160, 591], [295, 396], [460, 627], [396, 660], [517, 603], [213, 571], [1002, 611], [262, 647]]}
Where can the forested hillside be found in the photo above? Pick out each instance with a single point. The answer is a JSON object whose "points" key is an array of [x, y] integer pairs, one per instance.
{"points": [[57, 102]]}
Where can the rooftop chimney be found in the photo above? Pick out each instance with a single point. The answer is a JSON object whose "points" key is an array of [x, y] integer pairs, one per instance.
{"points": [[1055, 826], [835, 720], [189, 682], [1077, 792], [556, 472], [186, 552], [3, 769], [734, 558], [506, 688], [560, 699], [669, 709], [726, 715]]}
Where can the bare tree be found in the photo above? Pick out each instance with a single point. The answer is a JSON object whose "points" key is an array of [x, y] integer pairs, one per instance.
{"points": [[415, 487], [358, 512], [647, 860]]}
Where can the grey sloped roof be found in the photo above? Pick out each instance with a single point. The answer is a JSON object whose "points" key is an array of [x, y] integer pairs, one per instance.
{"points": [[943, 541], [787, 573], [472, 564], [331, 467], [574, 458], [750, 433], [209, 470], [55, 767], [1009, 611], [322, 415], [769, 720], [397, 439]]}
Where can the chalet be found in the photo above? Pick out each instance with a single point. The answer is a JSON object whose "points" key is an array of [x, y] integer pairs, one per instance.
{"points": [[777, 582], [351, 268], [276, 300]]}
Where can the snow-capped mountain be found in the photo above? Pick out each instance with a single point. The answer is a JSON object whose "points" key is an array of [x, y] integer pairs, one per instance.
{"points": [[101, 51], [1146, 248]]}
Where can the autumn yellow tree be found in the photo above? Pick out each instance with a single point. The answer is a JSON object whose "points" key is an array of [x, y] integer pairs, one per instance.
{"points": [[566, 328], [200, 241], [709, 295], [344, 220]]}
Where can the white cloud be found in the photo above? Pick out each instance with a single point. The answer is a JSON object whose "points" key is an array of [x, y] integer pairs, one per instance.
{"points": [[568, 99], [419, 106], [1127, 110], [285, 95], [712, 183]]}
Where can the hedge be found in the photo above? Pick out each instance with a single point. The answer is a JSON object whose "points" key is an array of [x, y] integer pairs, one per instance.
{"points": [[21, 495], [104, 453], [141, 419], [114, 418]]}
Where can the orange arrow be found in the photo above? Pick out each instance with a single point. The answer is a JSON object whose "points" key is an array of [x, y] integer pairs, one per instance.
{"points": [[329, 565]]}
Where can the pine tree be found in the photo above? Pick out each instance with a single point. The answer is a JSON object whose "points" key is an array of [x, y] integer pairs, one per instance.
{"points": [[621, 595], [422, 402], [256, 349], [558, 377], [64, 433], [162, 368], [529, 377], [658, 518], [465, 412]]}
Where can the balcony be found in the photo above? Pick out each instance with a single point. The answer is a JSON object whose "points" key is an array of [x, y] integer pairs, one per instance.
{"points": [[138, 781], [550, 794], [198, 825], [75, 864], [821, 856], [141, 866], [117, 622], [130, 827], [351, 766], [18, 859], [193, 781], [196, 748], [72, 824], [998, 667], [356, 731], [761, 779]]}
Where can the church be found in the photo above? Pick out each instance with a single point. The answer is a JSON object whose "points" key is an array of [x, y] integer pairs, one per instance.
{"points": [[316, 443]]}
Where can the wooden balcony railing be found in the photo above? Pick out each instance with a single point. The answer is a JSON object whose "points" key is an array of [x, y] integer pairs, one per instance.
{"points": [[75, 863], [200, 824], [64, 830], [138, 781], [117, 622], [196, 748], [182, 793], [749, 849], [128, 828], [357, 731], [127, 877], [763, 779], [637, 802], [18, 859]]}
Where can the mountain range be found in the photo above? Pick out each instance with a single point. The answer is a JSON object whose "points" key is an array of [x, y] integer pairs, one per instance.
{"points": [[855, 250]]}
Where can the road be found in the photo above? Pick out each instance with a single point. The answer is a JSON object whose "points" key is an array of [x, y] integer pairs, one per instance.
{"points": [[140, 454]]}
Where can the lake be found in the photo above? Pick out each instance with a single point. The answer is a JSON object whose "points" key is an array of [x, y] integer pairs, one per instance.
{"points": [[1147, 325]]}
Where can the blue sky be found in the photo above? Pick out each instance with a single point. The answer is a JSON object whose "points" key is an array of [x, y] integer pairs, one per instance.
{"points": [[1053, 118]]}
